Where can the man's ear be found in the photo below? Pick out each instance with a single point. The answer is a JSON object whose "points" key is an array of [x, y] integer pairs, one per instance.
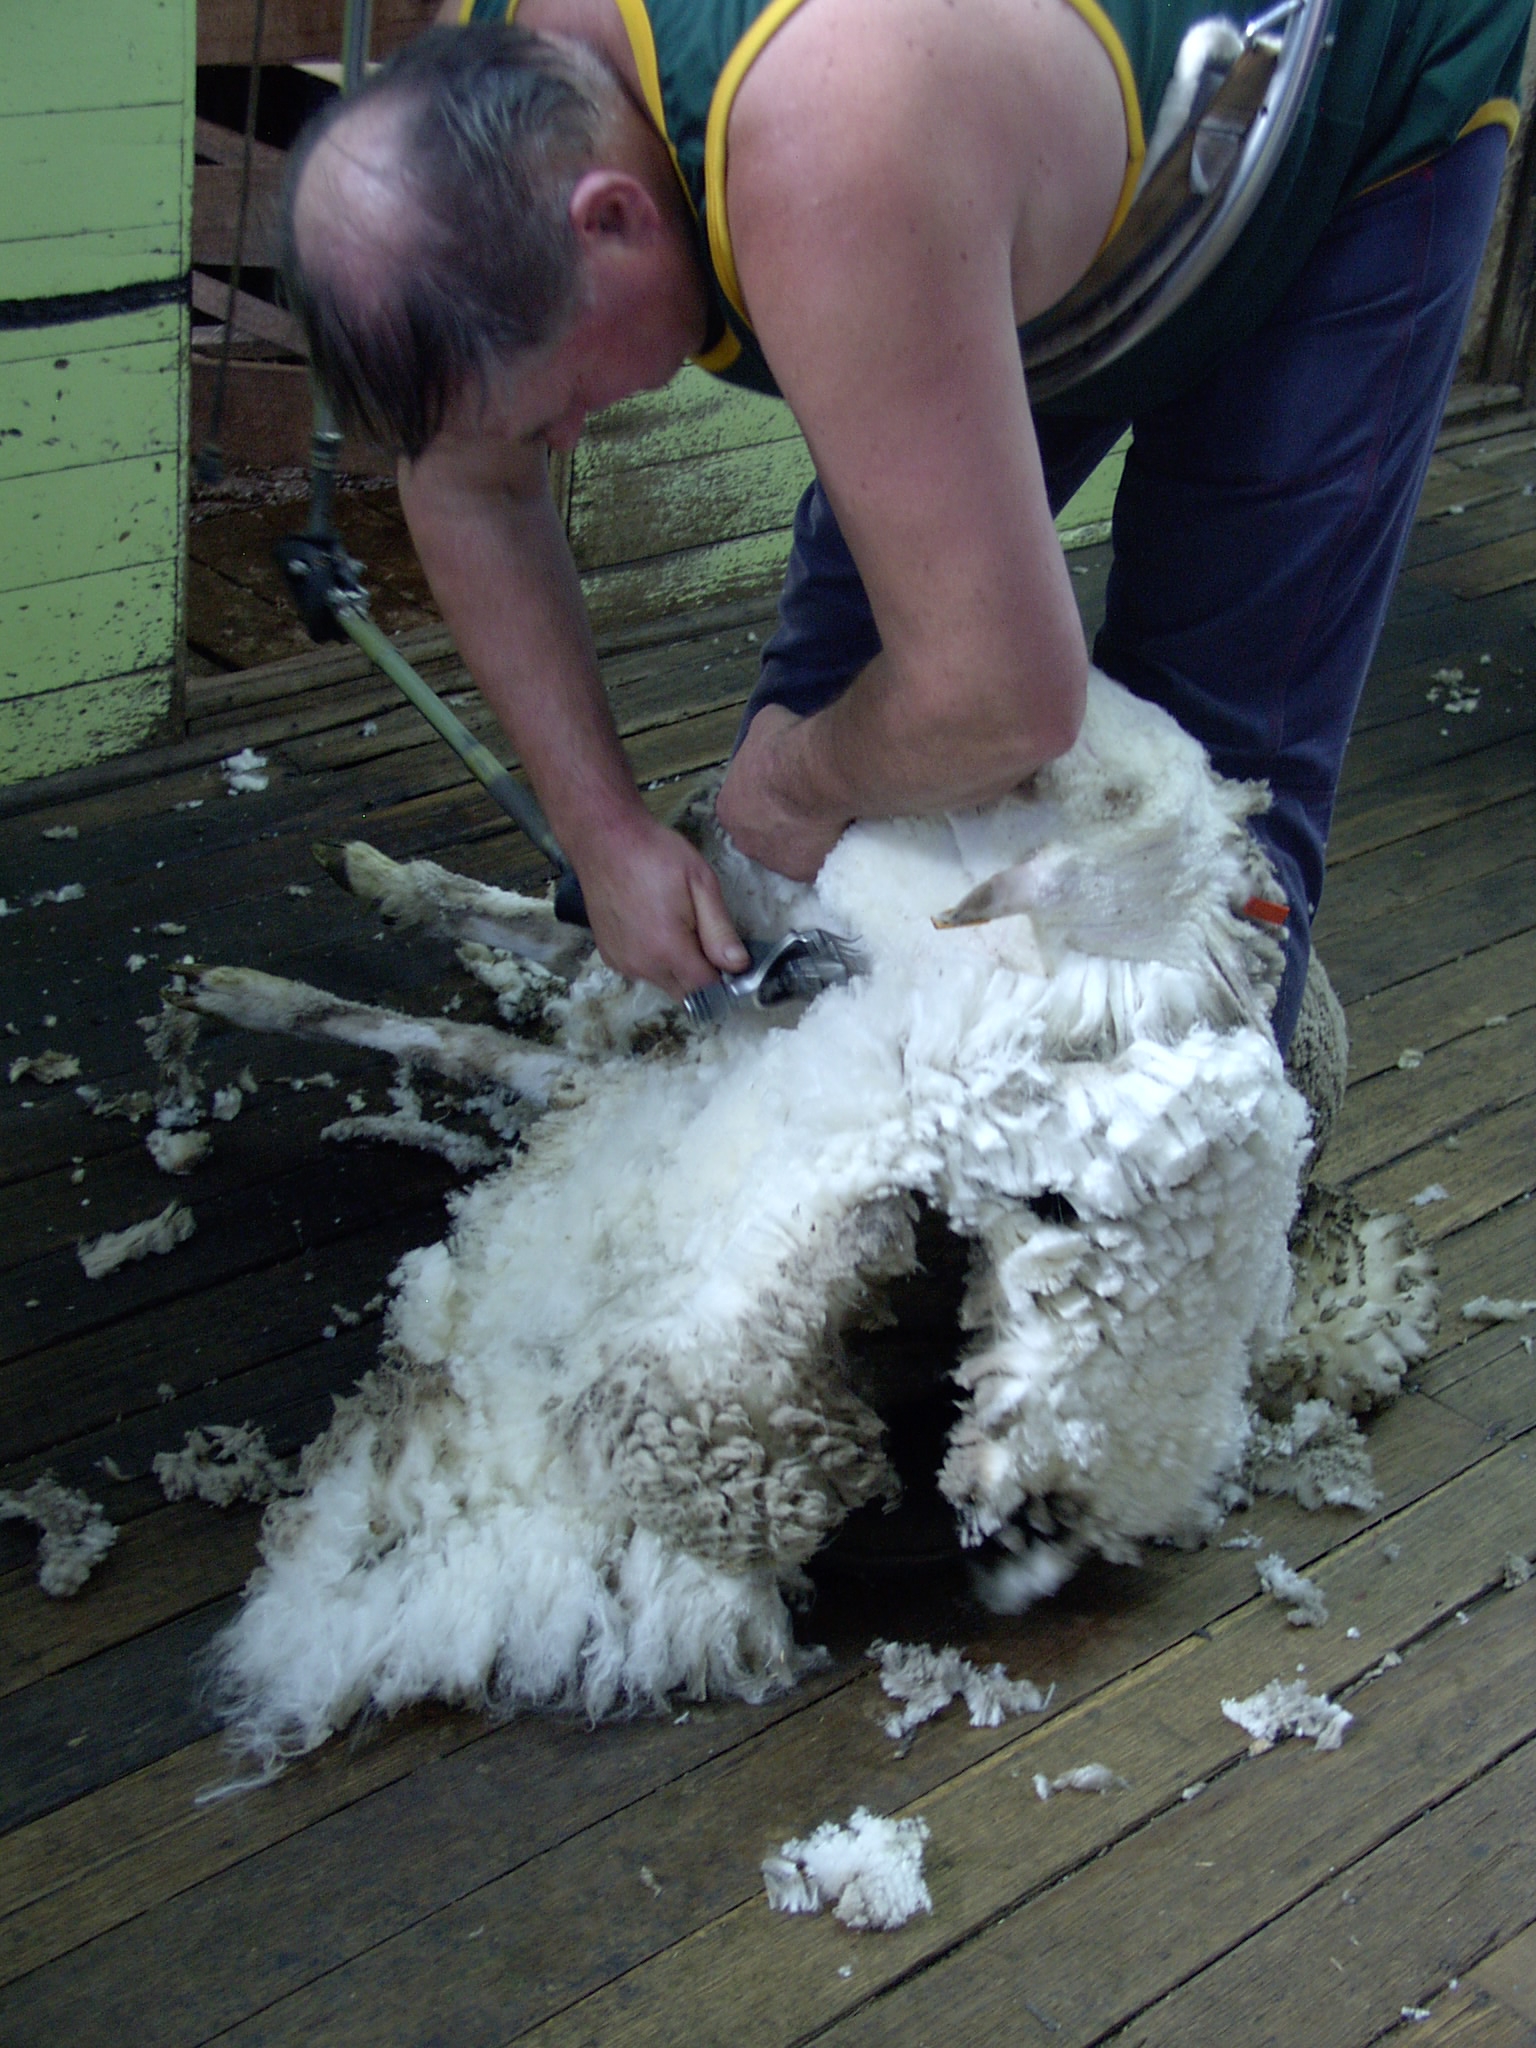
{"points": [[610, 204]]}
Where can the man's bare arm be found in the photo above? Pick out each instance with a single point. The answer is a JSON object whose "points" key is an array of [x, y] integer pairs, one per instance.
{"points": [[490, 541], [889, 315]]}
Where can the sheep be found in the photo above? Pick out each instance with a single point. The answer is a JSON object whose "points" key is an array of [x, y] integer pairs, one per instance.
{"points": [[613, 1420]]}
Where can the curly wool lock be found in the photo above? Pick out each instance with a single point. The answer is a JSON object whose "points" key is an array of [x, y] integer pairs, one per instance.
{"points": [[615, 1422]]}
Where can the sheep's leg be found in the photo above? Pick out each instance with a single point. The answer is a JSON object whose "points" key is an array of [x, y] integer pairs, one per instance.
{"points": [[474, 1054], [418, 894]]}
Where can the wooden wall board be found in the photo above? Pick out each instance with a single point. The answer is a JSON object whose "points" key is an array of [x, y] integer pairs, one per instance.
{"points": [[65, 728], [118, 621], [695, 416], [73, 56], [296, 29], [128, 178], [216, 212], [70, 396], [83, 521]]}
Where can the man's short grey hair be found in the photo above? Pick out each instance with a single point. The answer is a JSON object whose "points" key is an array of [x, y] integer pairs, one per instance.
{"points": [[495, 127]]}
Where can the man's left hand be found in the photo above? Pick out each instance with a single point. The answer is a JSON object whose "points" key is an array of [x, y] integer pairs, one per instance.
{"points": [[762, 803]]}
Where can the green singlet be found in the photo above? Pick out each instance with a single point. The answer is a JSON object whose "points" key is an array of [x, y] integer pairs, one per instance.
{"points": [[1402, 80]]}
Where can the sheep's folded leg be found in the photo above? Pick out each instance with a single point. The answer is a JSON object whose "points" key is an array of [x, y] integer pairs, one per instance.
{"points": [[474, 1054], [418, 894]]}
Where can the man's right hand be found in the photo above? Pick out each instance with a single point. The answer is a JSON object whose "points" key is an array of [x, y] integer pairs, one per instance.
{"points": [[656, 909]]}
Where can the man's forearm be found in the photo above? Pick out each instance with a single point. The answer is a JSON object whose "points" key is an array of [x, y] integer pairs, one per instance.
{"points": [[886, 748]]}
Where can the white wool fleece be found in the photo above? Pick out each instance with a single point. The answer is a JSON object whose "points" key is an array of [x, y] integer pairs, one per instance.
{"points": [[615, 1425]]}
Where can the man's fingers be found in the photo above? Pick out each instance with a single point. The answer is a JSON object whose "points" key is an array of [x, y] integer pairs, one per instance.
{"points": [[718, 940]]}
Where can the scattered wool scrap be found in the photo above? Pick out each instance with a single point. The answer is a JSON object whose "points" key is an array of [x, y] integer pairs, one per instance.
{"points": [[405, 1125], [1319, 1456], [928, 1679], [178, 1151], [247, 1082], [242, 772], [1247, 1541], [170, 929], [76, 1535], [170, 1038], [1193, 1791], [113, 1470], [349, 1316], [1084, 1778], [61, 831], [300, 889], [1518, 1570], [191, 803], [1409, 1058], [300, 1082], [134, 1106], [162, 1233], [223, 1463], [47, 1067], [1433, 1193], [1301, 1597], [70, 893], [227, 1104], [649, 1879], [1495, 1023], [1415, 2012], [165, 1392], [1485, 1309], [136, 962], [7, 910], [870, 1872], [1285, 1707]]}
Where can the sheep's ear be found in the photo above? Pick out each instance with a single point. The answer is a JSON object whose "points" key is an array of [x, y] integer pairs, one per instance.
{"points": [[1001, 895]]}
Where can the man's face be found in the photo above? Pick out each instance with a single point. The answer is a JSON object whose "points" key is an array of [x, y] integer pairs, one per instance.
{"points": [[611, 350]]}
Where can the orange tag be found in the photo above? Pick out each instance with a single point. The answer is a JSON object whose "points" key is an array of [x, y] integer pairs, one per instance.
{"points": [[1264, 912]]}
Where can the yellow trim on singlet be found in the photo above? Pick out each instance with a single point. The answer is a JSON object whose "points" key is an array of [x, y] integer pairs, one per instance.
{"points": [[1135, 136], [737, 65], [467, 8], [772, 19], [1503, 114], [1494, 114]]}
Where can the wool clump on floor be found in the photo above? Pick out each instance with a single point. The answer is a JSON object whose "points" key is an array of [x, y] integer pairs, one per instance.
{"points": [[114, 1248], [925, 1680], [1285, 1707], [870, 1872], [1301, 1597], [75, 1533], [613, 1423]]}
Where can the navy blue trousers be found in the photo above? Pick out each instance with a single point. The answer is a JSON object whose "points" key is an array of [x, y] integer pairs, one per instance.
{"points": [[1260, 523]]}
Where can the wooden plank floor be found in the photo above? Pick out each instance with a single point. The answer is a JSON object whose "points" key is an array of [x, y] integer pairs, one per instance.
{"points": [[438, 1880]]}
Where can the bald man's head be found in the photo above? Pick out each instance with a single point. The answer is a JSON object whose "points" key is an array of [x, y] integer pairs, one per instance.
{"points": [[427, 227]]}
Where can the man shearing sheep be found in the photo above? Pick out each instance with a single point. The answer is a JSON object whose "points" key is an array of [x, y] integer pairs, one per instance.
{"points": [[875, 207]]}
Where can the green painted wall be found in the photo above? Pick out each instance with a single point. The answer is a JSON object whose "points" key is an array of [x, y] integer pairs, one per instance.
{"points": [[684, 497], [96, 171]]}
